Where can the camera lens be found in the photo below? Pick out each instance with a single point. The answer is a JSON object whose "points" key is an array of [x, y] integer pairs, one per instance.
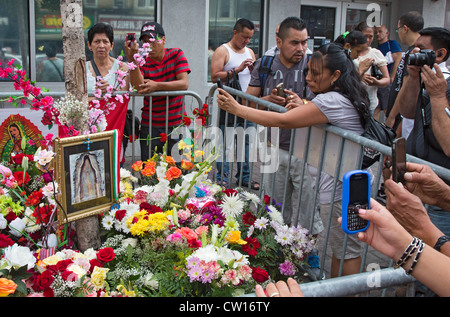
{"points": [[424, 57]]}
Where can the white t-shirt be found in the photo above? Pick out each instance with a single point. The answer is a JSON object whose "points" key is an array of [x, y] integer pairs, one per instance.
{"points": [[379, 60], [235, 61], [341, 113]]}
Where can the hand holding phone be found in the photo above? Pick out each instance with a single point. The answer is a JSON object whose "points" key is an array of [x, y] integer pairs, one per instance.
{"points": [[280, 90], [355, 195], [131, 37], [399, 160]]}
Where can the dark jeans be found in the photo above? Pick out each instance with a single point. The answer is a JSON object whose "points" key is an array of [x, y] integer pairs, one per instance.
{"points": [[224, 175], [155, 140]]}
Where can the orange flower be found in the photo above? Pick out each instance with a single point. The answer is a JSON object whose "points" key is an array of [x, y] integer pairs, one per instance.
{"points": [[148, 170], [7, 287], [137, 166], [186, 165], [170, 160], [173, 172]]}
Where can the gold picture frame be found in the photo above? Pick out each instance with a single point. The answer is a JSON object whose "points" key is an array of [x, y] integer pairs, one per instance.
{"points": [[87, 174]]}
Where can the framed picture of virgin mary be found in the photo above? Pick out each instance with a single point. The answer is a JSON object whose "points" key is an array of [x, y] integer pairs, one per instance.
{"points": [[87, 173]]}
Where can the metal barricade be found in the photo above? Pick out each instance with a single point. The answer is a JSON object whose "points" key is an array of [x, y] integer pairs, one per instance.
{"points": [[335, 151], [196, 100]]}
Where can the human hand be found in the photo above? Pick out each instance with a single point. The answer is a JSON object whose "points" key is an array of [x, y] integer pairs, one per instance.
{"points": [[423, 182], [103, 85], [147, 87], [369, 80], [384, 233], [274, 98], [407, 209], [292, 100], [227, 102], [435, 83], [246, 63], [280, 289], [130, 50], [364, 65]]}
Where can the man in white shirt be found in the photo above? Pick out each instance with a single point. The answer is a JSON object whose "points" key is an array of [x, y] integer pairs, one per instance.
{"points": [[234, 57]]}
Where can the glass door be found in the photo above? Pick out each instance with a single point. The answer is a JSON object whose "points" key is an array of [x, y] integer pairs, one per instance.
{"points": [[322, 21], [355, 13]]}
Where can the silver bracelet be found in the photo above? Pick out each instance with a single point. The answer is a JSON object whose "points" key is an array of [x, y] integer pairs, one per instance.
{"points": [[416, 258], [407, 253]]}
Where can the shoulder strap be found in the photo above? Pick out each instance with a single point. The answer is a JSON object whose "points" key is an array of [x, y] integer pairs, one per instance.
{"points": [[94, 66], [265, 68]]}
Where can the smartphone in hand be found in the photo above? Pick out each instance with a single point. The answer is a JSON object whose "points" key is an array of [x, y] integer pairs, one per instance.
{"points": [[131, 37], [399, 160], [355, 195]]}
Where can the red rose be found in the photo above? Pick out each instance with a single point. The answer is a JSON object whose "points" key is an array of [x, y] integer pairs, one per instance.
{"points": [[69, 276], [163, 137], [259, 275], [5, 241], [48, 292], [267, 199], [106, 254], [120, 214], [21, 178], [94, 263], [62, 265], [230, 192], [43, 281]]}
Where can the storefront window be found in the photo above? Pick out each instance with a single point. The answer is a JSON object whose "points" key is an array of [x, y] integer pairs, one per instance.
{"points": [[125, 16], [320, 24], [14, 33], [223, 14]]}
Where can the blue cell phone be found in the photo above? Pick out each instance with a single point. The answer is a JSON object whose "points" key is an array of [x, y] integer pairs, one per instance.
{"points": [[355, 195]]}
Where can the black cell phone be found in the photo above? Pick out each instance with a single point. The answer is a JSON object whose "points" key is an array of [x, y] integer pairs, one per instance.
{"points": [[280, 90], [131, 37], [219, 83], [399, 160], [355, 195]]}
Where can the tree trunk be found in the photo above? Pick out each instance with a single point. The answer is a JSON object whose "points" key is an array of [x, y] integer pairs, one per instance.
{"points": [[88, 231]]}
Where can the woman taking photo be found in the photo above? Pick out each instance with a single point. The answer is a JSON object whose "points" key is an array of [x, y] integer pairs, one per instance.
{"points": [[102, 73], [341, 101]]}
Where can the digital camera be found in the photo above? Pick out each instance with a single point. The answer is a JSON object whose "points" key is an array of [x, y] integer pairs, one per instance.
{"points": [[424, 57], [376, 72]]}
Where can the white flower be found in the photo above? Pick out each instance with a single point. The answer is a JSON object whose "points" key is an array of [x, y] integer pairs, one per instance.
{"points": [[275, 215], [108, 222], [43, 157], [261, 223], [90, 254], [252, 197], [232, 206], [16, 255], [17, 226], [150, 281], [3, 222], [129, 241]]}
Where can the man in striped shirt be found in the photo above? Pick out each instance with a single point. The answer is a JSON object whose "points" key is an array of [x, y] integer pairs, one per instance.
{"points": [[165, 69]]}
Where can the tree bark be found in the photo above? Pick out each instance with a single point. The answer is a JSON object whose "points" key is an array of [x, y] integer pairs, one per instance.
{"points": [[87, 229]]}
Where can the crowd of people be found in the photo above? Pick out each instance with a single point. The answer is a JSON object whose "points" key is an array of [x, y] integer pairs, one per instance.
{"points": [[342, 83]]}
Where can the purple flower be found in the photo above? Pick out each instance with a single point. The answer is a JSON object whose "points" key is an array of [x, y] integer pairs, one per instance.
{"points": [[287, 268]]}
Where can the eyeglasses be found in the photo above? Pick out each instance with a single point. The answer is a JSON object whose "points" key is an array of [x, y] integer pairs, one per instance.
{"points": [[396, 30]]}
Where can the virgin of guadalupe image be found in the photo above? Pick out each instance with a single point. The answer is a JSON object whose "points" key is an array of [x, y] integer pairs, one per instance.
{"points": [[18, 135], [87, 176]]}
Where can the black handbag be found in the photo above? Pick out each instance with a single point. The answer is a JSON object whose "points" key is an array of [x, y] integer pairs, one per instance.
{"points": [[376, 131], [232, 82]]}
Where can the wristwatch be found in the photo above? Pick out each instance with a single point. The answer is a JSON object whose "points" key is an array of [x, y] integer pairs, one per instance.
{"points": [[440, 242]]}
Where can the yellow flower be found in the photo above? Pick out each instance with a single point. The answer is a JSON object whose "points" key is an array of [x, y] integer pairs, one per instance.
{"points": [[234, 237], [98, 277], [7, 287], [52, 260]]}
